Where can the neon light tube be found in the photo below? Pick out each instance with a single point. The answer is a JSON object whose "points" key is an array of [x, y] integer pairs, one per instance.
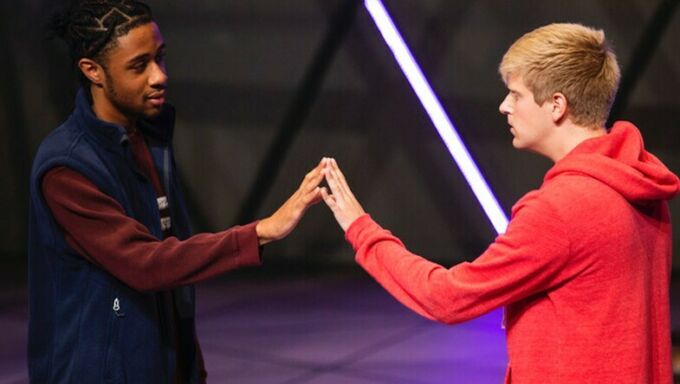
{"points": [[437, 115]]}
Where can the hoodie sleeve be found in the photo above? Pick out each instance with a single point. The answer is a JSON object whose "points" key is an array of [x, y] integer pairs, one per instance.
{"points": [[529, 258]]}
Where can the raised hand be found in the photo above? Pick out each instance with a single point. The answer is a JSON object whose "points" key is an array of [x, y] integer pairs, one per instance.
{"points": [[341, 200], [284, 220]]}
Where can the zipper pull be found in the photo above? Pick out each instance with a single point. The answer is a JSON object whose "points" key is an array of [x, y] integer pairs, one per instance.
{"points": [[116, 308]]}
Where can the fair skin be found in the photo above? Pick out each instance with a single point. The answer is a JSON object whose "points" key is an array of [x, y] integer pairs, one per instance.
{"points": [[546, 129], [345, 207], [129, 84]]}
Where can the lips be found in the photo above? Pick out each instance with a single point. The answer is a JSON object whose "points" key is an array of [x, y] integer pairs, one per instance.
{"points": [[157, 98]]}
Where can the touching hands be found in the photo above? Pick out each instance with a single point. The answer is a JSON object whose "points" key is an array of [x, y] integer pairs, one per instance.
{"points": [[341, 201], [284, 220]]}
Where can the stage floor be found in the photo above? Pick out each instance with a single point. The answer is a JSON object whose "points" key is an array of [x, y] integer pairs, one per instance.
{"points": [[318, 329]]}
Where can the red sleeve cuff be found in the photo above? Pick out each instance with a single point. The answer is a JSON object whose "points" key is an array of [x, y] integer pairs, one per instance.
{"points": [[249, 245], [357, 230]]}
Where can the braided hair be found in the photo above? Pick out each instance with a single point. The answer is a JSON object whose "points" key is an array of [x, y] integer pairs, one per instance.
{"points": [[90, 28]]}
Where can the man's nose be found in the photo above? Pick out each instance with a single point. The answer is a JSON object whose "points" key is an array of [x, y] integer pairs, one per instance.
{"points": [[504, 108], [159, 76]]}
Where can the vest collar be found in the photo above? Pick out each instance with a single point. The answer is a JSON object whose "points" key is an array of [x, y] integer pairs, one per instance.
{"points": [[159, 129]]}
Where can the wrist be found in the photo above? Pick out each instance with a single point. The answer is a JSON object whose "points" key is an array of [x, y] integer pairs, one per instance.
{"points": [[354, 223], [263, 232], [352, 219]]}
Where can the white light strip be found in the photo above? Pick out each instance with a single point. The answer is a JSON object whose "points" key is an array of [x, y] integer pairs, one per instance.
{"points": [[436, 113]]}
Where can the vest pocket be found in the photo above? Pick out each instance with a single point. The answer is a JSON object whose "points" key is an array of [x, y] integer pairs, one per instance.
{"points": [[114, 372]]}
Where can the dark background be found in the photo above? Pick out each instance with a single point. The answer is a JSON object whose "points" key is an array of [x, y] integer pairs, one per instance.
{"points": [[243, 73]]}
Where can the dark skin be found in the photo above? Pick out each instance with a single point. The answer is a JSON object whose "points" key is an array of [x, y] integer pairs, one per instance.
{"points": [[129, 84]]}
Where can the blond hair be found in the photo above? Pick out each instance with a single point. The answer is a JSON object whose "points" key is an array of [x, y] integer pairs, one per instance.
{"points": [[571, 59]]}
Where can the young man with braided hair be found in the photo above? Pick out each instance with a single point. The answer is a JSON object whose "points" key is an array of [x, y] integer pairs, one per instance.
{"points": [[583, 268], [111, 257]]}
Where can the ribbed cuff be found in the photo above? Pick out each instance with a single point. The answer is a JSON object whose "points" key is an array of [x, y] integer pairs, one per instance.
{"points": [[354, 231], [249, 245]]}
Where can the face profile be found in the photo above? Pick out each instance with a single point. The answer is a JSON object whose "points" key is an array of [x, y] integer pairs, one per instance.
{"points": [[130, 80], [529, 122]]}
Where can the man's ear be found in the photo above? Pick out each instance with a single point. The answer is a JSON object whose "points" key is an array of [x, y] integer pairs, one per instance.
{"points": [[560, 106], [93, 71]]}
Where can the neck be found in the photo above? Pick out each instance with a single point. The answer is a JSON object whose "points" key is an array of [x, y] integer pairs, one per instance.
{"points": [[106, 111], [571, 135]]}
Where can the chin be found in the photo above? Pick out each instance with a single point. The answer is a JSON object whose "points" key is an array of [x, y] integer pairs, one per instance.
{"points": [[521, 145], [151, 113]]}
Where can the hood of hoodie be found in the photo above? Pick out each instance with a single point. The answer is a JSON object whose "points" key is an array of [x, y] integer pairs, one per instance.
{"points": [[619, 160]]}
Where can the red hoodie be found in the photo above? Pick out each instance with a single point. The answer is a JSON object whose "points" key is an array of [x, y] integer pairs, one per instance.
{"points": [[583, 269]]}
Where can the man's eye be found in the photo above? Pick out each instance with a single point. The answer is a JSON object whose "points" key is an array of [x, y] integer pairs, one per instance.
{"points": [[139, 67]]}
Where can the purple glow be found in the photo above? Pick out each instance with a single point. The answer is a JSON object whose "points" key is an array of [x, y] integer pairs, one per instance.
{"points": [[437, 115]]}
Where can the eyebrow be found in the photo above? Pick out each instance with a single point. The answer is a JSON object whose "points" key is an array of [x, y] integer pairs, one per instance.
{"points": [[145, 56]]}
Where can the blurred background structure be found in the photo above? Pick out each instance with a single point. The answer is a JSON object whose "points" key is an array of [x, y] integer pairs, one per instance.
{"points": [[265, 88]]}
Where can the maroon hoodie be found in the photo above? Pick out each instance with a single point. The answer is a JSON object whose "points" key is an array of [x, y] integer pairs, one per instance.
{"points": [[583, 269]]}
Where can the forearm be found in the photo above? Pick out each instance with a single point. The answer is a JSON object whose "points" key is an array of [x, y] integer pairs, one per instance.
{"points": [[423, 286], [148, 264], [97, 228], [452, 295]]}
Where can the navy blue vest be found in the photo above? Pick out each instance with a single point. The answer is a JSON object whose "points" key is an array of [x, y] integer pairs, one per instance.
{"points": [[86, 326]]}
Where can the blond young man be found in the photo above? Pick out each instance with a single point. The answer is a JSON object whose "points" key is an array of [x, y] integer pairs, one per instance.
{"points": [[583, 268]]}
